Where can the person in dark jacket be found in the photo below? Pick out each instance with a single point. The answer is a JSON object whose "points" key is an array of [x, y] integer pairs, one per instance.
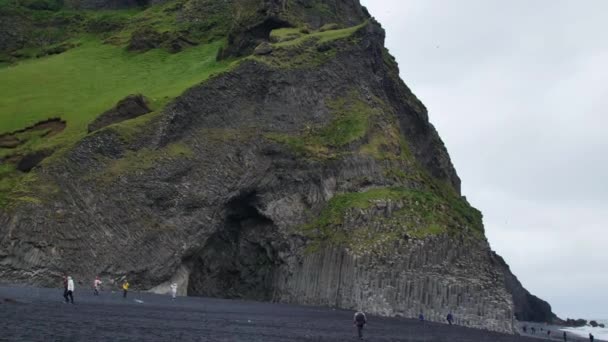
{"points": [[591, 337], [450, 318], [565, 337], [65, 287], [359, 320]]}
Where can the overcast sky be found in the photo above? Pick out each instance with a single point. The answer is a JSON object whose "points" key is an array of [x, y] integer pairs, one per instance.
{"points": [[518, 90]]}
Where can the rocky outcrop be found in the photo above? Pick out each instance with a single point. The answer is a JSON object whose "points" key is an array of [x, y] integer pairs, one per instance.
{"points": [[145, 39], [309, 175], [250, 31], [31, 160], [130, 107], [263, 49], [14, 30], [527, 307]]}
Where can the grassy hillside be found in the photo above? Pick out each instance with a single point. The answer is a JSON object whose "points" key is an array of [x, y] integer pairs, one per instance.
{"points": [[74, 65], [83, 82]]}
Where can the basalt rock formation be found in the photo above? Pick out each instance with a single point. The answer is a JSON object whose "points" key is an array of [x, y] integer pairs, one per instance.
{"points": [[130, 107], [527, 307], [308, 174]]}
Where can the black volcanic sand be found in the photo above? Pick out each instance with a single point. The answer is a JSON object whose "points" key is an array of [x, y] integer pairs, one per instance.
{"points": [[33, 314]]}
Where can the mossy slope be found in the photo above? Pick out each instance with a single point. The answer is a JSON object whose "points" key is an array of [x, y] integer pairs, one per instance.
{"points": [[74, 65]]}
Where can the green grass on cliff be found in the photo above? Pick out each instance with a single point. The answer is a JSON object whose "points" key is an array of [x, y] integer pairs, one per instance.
{"points": [[350, 123], [421, 214], [42, 26], [299, 48], [141, 160], [319, 36], [83, 82], [80, 84]]}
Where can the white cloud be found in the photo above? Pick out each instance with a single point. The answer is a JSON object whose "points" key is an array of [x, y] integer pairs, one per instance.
{"points": [[518, 91]]}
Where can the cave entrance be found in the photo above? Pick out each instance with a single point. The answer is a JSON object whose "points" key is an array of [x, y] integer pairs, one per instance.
{"points": [[238, 261]]}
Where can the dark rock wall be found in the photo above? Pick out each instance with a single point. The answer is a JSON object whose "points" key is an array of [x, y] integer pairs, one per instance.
{"points": [[14, 30], [229, 211], [429, 277], [202, 196], [527, 307]]}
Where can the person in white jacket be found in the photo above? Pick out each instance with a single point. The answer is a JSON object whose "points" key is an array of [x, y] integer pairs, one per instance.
{"points": [[96, 286], [70, 291], [174, 290]]}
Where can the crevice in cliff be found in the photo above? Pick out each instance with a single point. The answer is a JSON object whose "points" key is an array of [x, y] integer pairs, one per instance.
{"points": [[242, 43], [238, 261]]}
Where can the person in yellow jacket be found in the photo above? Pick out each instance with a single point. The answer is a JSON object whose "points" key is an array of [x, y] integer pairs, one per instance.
{"points": [[125, 289]]}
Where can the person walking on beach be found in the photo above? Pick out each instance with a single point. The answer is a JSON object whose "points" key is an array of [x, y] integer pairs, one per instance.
{"points": [[174, 290], [591, 337], [421, 317], [359, 320], [450, 318], [96, 286], [69, 293], [65, 286], [125, 288], [565, 337]]}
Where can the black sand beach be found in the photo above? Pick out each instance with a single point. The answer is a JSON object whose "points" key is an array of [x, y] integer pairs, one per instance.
{"points": [[33, 314]]}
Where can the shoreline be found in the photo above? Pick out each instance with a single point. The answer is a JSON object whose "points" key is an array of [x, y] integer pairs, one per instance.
{"points": [[39, 314], [110, 299], [556, 332]]}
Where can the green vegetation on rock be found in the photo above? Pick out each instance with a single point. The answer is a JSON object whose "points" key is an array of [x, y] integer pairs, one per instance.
{"points": [[142, 160], [360, 221], [350, 123], [322, 36], [175, 25], [79, 66], [8, 181], [18, 187], [285, 34], [300, 48]]}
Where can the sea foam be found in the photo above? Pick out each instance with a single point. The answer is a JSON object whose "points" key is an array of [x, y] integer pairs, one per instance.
{"points": [[598, 333]]}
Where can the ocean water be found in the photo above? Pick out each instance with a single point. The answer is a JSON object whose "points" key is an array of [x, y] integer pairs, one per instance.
{"points": [[598, 333]]}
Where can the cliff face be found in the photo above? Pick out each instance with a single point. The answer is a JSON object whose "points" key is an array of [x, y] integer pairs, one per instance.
{"points": [[527, 307], [306, 174]]}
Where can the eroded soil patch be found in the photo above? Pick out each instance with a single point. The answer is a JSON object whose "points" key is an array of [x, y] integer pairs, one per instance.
{"points": [[42, 129]]}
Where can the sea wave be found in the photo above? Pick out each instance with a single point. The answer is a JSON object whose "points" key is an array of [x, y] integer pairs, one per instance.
{"points": [[598, 333]]}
